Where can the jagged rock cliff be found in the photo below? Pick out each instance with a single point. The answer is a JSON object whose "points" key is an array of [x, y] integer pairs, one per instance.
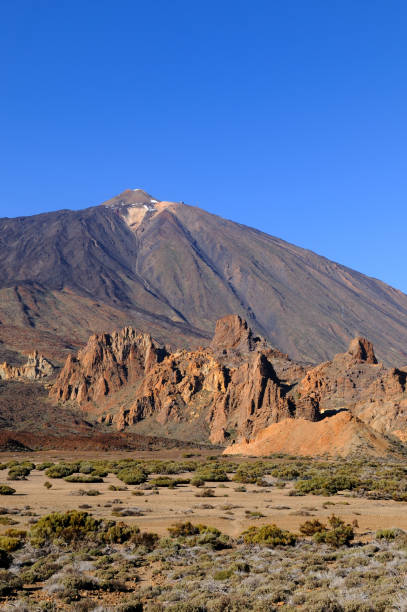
{"points": [[36, 367], [105, 364], [233, 390], [229, 390], [357, 382]]}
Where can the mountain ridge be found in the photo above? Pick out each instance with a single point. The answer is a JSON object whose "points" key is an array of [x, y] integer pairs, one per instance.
{"points": [[172, 269]]}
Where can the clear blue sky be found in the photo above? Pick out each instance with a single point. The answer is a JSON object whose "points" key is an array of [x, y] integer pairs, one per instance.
{"points": [[287, 115]]}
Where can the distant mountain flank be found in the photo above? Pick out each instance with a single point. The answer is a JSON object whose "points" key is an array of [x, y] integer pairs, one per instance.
{"points": [[172, 270]]}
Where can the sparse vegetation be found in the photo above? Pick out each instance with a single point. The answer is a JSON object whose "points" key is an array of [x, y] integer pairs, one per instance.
{"points": [[78, 560]]}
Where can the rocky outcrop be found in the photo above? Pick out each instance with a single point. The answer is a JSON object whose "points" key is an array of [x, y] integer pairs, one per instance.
{"points": [[193, 387], [232, 334], [362, 350], [231, 391], [36, 367], [228, 391], [105, 364], [357, 382]]}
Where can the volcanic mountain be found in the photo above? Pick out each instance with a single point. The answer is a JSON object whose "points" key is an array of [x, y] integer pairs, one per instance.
{"points": [[172, 270]]}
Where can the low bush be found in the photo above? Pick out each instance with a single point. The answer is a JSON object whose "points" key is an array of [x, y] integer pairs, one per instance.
{"points": [[19, 472], [119, 533], [86, 478], [269, 535], [44, 466], [61, 470], [387, 534], [10, 543], [183, 530], [133, 475], [224, 574], [339, 534], [325, 485], [206, 493], [9, 583], [310, 528], [197, 482], [6, 490], [69, 527], [212, 472], [166, 481], [41, 570]]}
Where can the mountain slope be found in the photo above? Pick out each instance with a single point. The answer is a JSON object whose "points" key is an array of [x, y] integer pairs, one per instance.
{"points": [[173, 270]]}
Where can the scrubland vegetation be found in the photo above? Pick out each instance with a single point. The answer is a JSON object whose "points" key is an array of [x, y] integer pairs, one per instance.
{"points": [[75, 560]]}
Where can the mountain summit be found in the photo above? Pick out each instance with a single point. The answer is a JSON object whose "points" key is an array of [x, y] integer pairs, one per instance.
{"points": [[172, 270], [131, 197]]}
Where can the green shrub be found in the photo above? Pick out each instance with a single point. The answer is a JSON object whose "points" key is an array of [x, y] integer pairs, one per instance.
{"points": [[19, 472], [120, 533], [44, 466], [9, 583], [7, 520], [197, 482], [250, 473], [83, 478], [47, 484], [269, 535], [325, 485], [133, 475], [145, 539], [387, 534], [183, 529], [70, 526], [61, 470], [339, 534], [40, 571], [310, 528], [212, 472], [166, 481], [6, 490], [10, 543], [201, 534], [224, 574]]}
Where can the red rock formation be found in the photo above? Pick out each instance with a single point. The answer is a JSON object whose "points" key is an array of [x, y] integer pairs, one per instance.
{"points": [[105, 364], [36, 367], [362, 350], [229, 390], [355, 381]]}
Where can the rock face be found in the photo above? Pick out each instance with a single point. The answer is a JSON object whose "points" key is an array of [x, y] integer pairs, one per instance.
{"points": [[227, 391], [357, 382], [362, 350], [105, 364], [36, 367], [235, 390]]}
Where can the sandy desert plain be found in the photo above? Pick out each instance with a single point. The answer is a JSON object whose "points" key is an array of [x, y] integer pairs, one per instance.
{"points": [[222, 554]]}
